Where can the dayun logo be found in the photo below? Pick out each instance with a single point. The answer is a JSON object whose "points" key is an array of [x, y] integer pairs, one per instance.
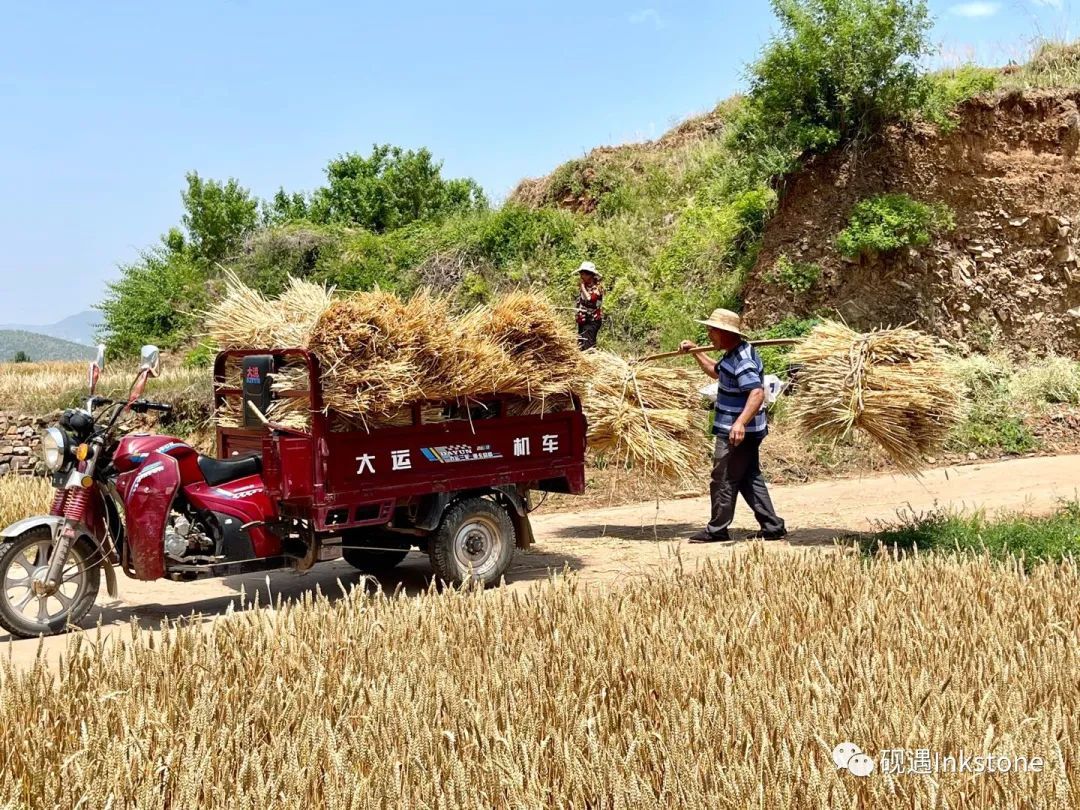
{"points": [[252, 376], [849, 757]]}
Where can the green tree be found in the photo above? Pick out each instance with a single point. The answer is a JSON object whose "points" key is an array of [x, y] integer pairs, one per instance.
{"points": [[285, 208], [20, 357], [837, 70], [217, 217], [390, 189], [156, 300]]}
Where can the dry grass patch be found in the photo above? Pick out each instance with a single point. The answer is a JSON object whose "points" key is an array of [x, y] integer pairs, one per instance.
{"points": [[727, 688], [22, 496]]}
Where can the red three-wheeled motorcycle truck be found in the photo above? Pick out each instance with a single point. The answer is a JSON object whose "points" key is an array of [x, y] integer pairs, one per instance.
{"points": [[275, 497]]}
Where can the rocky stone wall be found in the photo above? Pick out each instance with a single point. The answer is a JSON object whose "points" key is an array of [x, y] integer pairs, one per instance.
{"points": [[20, 444]]}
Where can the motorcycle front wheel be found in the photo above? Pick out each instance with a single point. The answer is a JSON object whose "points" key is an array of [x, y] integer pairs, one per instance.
{"points": [[25, 559]]}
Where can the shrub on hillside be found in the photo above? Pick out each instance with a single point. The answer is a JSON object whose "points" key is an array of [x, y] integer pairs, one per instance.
{"points": [[202, 356], [271, 255], [799, 277], [948, 88], [888, 222], [390, 189], [709, 240], [839, 69], [775, 358], [1053, 380], [515, 233], [994, 420], [217, 216], [1053, 63]]}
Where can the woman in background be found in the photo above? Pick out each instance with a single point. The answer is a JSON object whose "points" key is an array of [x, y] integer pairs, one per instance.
{"points": [[590, 310]]}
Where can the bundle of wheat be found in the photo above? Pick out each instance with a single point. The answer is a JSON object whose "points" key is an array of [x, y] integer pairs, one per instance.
{"points": [[380, 353], [300, 307], [645, 416], [522, 406], [288, 411], [543, 353], [892, 384], [230, 413], [245, 319], [242, 318], [367, 344]]}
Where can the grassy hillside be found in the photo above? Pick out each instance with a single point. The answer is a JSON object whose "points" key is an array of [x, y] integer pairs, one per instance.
{"points": [[40, 347], [674, 224]]}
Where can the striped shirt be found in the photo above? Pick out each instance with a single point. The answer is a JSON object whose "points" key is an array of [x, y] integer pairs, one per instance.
{"points": [[738, 373]]}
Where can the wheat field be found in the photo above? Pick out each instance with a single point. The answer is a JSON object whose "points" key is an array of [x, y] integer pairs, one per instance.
{"points": [[726, 687], [22, 496], [39, 388]]}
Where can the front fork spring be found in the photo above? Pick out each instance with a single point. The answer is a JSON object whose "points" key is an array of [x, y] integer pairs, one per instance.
{"points": [[73, 502], [58, 501], [75, 505]]}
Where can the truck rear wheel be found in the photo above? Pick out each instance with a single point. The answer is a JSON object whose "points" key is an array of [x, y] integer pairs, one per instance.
{"points": [[475, 541]]}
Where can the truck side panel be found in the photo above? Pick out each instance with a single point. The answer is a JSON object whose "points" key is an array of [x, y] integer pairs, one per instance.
{"points": [[372, 470]]}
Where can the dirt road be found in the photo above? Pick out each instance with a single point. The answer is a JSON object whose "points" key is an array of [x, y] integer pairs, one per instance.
{"points": [[606, 545]]}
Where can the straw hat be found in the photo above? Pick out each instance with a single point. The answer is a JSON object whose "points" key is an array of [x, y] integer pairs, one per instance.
{"points": [[588, 267], [725, 320]]}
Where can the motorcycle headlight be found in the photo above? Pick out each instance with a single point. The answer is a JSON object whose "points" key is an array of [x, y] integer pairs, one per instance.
{"points": [[54, 448]]}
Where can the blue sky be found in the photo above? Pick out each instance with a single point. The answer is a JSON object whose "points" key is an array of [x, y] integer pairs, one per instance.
{"points": [[106, 105]]}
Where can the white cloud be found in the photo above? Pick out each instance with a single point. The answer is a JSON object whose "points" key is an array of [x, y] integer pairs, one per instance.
{"points": [[1051, 3], [978, 8], [647, 15]]}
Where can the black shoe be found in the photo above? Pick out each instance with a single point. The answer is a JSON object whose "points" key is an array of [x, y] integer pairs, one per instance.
{"points": [[763, 535], [705, 536]]}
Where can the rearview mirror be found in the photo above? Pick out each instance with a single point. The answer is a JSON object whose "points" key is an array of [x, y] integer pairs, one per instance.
{"points": [[96, 367], [150, 360]]}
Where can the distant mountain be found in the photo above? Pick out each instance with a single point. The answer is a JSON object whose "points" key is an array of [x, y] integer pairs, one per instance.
{"points": [[40, 347], [78, 328]]}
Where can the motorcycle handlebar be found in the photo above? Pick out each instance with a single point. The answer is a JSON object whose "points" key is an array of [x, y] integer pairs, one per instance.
{"points": [[142, 406]]}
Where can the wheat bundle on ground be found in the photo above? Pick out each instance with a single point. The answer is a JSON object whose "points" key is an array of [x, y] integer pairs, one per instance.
{"points": [[892, 384], [644, 416]]}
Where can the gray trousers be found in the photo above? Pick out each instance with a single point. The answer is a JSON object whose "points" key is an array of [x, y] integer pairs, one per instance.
{"points": [[737, 469]]}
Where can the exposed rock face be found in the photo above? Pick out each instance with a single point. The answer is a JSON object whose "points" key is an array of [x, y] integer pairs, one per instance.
{"points": [[1008, 273]]}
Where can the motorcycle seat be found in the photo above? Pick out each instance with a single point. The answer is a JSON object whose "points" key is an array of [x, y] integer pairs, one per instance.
{"points": [[220, 471]]}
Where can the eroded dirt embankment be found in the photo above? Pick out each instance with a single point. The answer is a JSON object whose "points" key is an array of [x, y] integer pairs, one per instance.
{"points": [[1008, 273]]}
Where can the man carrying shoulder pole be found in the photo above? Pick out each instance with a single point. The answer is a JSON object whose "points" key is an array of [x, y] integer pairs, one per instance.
{"points": [[740, 425]]}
